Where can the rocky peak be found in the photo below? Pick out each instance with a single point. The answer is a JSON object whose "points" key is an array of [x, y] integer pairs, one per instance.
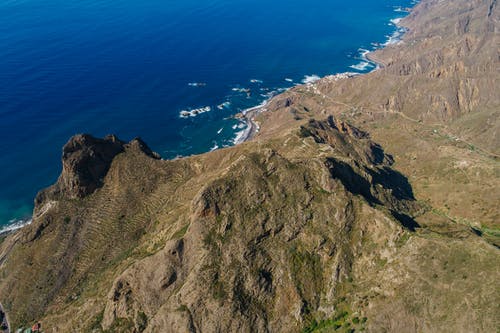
{"points": [[139, 145], [86, 161], [347, 140]]}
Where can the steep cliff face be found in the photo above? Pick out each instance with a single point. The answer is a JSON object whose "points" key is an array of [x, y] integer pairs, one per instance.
{"points": [[85, 162], [71, 248], [310, 227]]}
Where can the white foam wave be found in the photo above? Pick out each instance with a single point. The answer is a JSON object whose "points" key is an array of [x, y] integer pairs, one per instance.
{"points": [[363, 53], [241, 90], [244, 125], [365, 63], [362, 66], [194, 112], [197, 84], [256, 81], [242, 135], [224, 105], [399, 9], [215, 147], [396, 20], [15, 225], [395, 37], [261, 105], [310, 78]]}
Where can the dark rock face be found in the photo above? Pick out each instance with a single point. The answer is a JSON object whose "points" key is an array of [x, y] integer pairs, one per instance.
{"points": [[86, 160], [140, 145], [347, 139], [365, 169]]}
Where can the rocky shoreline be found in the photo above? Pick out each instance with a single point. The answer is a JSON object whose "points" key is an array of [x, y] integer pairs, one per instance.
{"points": [[249, 116]]}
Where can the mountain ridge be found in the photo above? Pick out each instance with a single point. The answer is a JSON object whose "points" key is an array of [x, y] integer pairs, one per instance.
{"points": [[309, 227]]}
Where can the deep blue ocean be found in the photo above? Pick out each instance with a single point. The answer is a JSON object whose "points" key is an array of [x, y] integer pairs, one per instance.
{"points": [[130, 67]]}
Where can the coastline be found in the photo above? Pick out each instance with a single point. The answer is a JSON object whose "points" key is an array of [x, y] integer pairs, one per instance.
{"points": [[248, 116], [14, 226], [298, 166]]}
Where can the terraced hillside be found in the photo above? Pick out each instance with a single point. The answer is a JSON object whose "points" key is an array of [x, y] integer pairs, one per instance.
{"points": [[363, 204]]}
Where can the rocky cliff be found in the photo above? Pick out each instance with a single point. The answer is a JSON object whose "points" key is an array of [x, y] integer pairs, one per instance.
{"points": [[312, 226]]}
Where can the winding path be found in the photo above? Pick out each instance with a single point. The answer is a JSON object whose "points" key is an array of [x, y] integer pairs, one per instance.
{"points": [[444, 128]]}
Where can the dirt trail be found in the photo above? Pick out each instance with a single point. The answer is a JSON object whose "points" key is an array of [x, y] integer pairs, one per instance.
{"points": [[444, 128]]}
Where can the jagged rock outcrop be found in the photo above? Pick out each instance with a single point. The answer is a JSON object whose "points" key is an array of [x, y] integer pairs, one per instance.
{"points": [[85, 162]]}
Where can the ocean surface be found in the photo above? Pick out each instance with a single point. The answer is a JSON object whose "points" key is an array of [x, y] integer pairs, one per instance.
{"points": [[131, 68]]}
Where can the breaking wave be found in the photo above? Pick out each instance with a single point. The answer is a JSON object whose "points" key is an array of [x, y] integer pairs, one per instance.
{"points": [[15, 225]]}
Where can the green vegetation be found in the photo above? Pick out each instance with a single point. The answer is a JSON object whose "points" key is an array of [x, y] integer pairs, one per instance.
{"points": [[476, 227], [181, 232], [96, 322], [307, 272], [218, 291], [142, 321], [121, 325], [403, 239], [304, 132], [334, 323], [381, 262], [182, 308]]}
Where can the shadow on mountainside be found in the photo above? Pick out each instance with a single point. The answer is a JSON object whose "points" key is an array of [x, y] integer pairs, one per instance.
{"points": [[380, 186]]}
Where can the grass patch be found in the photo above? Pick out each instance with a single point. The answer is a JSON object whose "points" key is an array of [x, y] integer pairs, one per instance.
{"points": [[304, 132], [381, 262], [218, 291], [307, 272], [333, 323], [403, 239], [121, 325], [142, 321], [181, 232], [96, 322], [474, 226], [182, 308]]}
